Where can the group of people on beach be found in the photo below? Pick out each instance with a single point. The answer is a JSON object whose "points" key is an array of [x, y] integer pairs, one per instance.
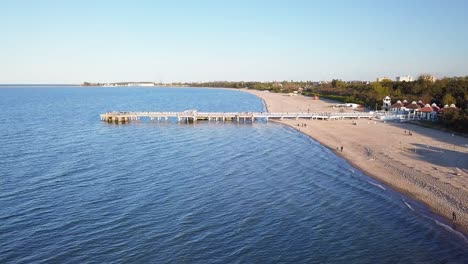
{"points": [[302, 125], [409, 133]]}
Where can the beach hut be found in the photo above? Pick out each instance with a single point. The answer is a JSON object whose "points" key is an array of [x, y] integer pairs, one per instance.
{"points": [[413, 106], [397, 107], [413, 109], [447, 107], [427, 112]]}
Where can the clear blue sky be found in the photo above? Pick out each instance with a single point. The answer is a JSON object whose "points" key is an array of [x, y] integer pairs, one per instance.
{"points": [[64, 41]]}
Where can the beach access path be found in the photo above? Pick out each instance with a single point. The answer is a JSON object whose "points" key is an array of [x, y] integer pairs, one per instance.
{"points": [[427, 165]]}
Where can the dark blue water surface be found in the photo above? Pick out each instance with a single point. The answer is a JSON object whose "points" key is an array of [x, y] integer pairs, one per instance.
{"points": [[74, 189]]}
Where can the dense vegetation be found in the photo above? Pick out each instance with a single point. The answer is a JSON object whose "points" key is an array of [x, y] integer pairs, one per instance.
{"points": [[444, 91]]}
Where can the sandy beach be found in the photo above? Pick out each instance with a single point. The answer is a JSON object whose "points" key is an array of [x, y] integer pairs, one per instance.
{"points": [[429, 166]]}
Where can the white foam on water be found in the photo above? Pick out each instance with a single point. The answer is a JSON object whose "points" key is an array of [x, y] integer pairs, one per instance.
{"points": [[453, 231], [377, 185], [407, 204]]}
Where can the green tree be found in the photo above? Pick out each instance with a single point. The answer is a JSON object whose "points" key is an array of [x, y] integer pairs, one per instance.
{"points": [[337, 83], [381, 91], [448, 99]]}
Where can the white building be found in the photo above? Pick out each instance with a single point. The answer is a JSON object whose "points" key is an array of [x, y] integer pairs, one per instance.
{"points": [[407, 78], [387, 102], [381, 79]]}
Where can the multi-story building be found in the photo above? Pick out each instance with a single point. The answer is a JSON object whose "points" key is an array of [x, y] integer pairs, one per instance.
{"points": [[407, 78], [380, 79]]}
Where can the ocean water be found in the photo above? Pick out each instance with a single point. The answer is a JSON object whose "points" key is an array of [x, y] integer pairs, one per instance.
{"points": [[74, 189]]}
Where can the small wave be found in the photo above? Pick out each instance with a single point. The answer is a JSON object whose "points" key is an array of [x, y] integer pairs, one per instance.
{"points": [[409, 206], [351, 170], [377, 185], [450, 229]]}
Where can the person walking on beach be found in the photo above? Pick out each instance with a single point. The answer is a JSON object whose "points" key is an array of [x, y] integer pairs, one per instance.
{"points": [[454, 217], [341, 148]]}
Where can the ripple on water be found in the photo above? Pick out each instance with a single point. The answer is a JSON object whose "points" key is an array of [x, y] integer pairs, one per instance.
{"points": [[73, 189]]}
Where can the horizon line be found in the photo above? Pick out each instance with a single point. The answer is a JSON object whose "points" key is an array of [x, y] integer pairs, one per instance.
{"points": [[262, 81]]}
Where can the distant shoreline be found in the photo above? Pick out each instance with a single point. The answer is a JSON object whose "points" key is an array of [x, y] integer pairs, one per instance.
{"points": [[39, 85]]}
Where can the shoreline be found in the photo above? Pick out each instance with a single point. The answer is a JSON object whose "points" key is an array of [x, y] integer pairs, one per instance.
{"points": [[417, 176]]}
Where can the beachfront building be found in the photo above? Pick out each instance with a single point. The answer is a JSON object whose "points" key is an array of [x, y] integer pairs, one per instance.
{"points": [[398, 107], [381, 79], [387, 103], [412, 110], [435, 108], [401, 110], [407, 78], [427, 113]]}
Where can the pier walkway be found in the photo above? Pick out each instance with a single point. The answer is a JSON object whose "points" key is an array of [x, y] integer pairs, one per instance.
{"points": [[191, 116]]}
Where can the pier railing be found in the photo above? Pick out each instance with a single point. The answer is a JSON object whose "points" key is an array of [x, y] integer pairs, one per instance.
{"points": [[190, 116]]}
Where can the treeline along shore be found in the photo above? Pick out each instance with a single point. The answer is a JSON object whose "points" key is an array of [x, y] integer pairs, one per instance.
{"points": [[445, 91]]}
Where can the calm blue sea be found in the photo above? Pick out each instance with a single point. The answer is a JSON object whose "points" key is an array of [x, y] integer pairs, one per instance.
{"points": [[74, 189]]}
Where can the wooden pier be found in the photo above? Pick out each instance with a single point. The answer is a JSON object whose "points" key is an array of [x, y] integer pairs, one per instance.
{"points": [[191, 116]]}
